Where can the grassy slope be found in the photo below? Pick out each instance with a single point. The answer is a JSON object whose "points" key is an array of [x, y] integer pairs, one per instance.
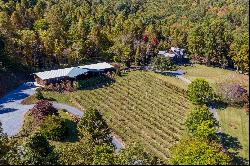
{"points": [[28, 128], [227, 117], [141, 106], [235, 123], [216, 75]]}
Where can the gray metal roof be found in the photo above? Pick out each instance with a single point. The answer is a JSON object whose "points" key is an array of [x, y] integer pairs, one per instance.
{"points": [[166, 54], [169, 55], [161, 52], [76, 71], [97, 66], [67, 72], [72, 72]]}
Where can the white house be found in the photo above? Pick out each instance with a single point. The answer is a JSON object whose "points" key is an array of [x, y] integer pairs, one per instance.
{"points": [[175, 52]]}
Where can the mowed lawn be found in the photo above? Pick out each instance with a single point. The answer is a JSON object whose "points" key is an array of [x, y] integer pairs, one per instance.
{"points": [[141, 106], [216, 75], [235, 122]]}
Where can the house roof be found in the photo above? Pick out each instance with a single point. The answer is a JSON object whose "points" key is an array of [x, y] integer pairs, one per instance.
{"points": [[72, 72], [161, 52], [169, 55], [166, 54], [66, 72], [97, 66], [76, 71]]}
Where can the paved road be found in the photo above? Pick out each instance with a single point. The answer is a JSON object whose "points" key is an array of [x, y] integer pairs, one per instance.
{"points": [[70, 109], [12, 111], [179, 74]]}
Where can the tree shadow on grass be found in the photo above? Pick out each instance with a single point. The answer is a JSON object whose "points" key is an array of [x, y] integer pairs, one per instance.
{"points": [[95, 83], [230, 142], [232, 145], [218, 104], [50, 99], [7, 110], [72, 133]]}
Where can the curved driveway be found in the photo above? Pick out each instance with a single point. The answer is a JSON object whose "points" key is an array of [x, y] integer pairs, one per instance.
{"points": [[12, 111]]}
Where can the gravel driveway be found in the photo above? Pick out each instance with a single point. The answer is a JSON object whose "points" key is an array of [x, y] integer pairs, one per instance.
{"points": [[12, 111], [180, 74]]}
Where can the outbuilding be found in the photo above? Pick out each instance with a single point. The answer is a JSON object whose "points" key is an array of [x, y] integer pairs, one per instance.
{"points": [[72, 73]]}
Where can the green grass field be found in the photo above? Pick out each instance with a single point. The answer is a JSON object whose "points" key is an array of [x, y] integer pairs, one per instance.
{"points": [[138, 107], [235, 122], [216, 75]]}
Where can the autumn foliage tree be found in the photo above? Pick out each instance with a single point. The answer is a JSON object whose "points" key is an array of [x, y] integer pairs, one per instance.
{"points": [[41, 110], [44, 34]]}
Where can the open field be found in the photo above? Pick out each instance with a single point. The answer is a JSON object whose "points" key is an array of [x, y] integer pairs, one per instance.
{"points": [[138, 107], [235, 122], [216, 75]]}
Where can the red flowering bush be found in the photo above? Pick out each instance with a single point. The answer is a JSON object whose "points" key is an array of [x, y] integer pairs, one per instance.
{"points": [[154, 41], [41, 110], [145, 38]]}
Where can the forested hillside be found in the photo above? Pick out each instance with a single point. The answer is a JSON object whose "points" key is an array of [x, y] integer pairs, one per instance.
{"points": [[43, 34]]}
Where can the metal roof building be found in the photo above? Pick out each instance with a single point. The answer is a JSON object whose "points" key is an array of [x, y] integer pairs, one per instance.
{"points": [[67, 72], [71, 73], [97, 66], [175, 52]]}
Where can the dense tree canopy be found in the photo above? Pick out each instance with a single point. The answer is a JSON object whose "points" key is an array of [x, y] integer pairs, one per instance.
{"points": [[36, 150], [201, 124], [93, 123], [200, 92], [135, 155], [48, 34], [196, 152]]}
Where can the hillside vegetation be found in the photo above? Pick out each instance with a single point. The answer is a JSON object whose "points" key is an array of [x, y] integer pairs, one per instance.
{"points": [[235, 123], [50, 33], [139, 106], [215, 75]]}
